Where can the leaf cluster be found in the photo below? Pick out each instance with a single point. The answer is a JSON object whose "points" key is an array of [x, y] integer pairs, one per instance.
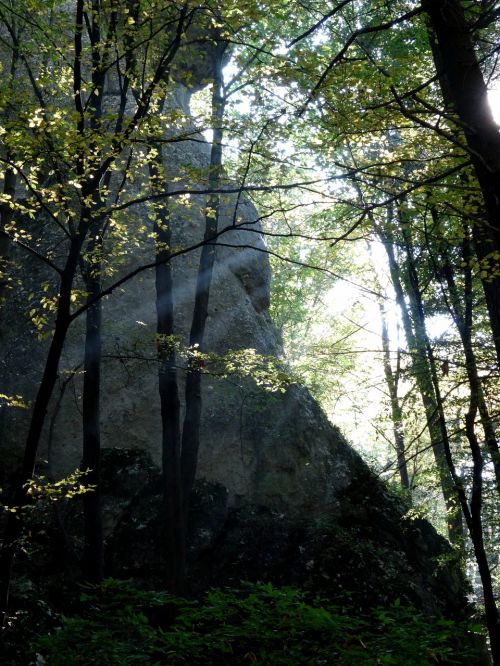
{"points": [[261, 624]]}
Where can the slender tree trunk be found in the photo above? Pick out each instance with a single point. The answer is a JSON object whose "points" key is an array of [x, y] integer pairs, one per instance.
{"points": [[93, 551], [18, 496], [472, 511], [191, 426], [421, 370], [464, 87], [476, 503], [90, 170], [174, 536], [6, 215], [6, 212], [455, 526], [396, 412], [462, 316]]}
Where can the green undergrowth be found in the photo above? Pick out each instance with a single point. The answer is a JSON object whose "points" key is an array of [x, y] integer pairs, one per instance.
{"points": [[116, 624]]}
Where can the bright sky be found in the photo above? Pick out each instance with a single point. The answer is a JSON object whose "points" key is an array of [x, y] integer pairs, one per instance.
{"points": [[494, 99]]}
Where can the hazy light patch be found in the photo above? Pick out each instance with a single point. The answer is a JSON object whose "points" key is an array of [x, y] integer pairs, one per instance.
{"points": [[380, 263], [340, 297], [379, 256], [208, 134], [241, 100], [438, 325], [494, 102], [281, 49], [321, 36], [286, 149], [229, 71]]}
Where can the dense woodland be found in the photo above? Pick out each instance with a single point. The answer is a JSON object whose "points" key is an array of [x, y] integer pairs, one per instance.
{"points": [[364, 133]]}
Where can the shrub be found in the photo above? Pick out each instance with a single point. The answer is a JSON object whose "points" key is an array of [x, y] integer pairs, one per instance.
{"points": [[120, 625]]}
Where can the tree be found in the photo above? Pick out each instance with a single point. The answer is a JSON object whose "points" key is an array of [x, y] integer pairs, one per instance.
{"points": [[363, 51], [465, 91], [180, 446], [91, 149], [336, 103]]}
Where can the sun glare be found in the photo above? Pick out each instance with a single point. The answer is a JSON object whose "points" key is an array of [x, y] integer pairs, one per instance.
{"points": [[494, 102]]}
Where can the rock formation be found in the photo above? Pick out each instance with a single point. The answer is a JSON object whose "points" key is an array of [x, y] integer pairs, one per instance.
{"points": [[271, 448], [283, 496]]}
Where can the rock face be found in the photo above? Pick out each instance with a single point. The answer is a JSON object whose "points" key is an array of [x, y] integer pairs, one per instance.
{"points": [[281, 495], [265, 447], [362, 553]]}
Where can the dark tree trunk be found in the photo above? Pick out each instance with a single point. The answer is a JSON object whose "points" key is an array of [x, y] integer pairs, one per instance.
{"points": [[463, 319], [6, 213], [93, 551], [174, 535], [432, 389], [472, 511], [462, 315], [464, 87], [90, 169], [414, 328], [18, 496], [191, 426], [476, 503]]}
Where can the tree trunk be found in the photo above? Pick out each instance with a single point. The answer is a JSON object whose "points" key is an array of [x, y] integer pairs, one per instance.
{"points": [[174, 534], [93, 551], [90, 169], [191, 426], [396, 412], [463, 85], [421, 370], [6, 213], [471, 511], [462, 316], [18, 496], [431, 382]]}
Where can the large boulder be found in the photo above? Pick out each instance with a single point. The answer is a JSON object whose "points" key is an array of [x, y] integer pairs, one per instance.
{"points": [[364, 552], [269, 447], [281, 496]]}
